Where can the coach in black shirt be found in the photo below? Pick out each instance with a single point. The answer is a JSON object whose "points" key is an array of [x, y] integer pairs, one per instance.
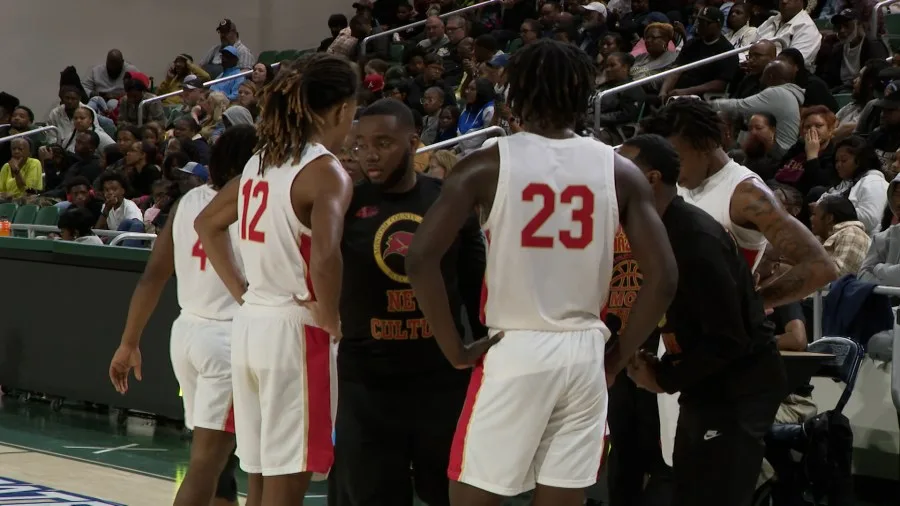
{"points": [[713, 77], [720, 349], [399, 399]]}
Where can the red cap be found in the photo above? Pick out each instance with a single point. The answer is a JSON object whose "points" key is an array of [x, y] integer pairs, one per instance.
{"points": [[374, 82], [139, 77]]}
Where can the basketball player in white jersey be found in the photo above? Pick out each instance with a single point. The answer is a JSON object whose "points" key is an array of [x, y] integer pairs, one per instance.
{"points": [[739, 200], [281, 350], [201, 336], [536, 407]]}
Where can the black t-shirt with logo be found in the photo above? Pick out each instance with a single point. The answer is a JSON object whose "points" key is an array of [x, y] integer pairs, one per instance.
{"points": [[696, 50], [385, 335]]}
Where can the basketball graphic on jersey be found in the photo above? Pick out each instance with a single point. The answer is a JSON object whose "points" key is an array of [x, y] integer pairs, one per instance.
{"points": [[392, 242]]}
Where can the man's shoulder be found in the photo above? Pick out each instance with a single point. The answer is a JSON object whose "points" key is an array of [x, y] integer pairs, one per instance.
{"points": [[694, 228]]}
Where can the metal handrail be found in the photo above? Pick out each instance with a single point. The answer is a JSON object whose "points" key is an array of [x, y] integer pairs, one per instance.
{"points": [[891, 291], [32, 229], [489, 131], [207, 84], [873, 27], [29, 133], [661, 75], [133, 235], [392, 31]]}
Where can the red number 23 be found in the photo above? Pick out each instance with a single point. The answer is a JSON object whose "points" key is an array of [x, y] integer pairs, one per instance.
{"points": [[261, 189], [583, 215]]}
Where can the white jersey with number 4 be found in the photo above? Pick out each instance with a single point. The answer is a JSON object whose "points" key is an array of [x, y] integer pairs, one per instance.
{"points": [[200, 290], [274, 244], [551, 233]]}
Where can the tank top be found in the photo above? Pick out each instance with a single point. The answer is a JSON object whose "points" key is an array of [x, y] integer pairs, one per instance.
{"points": [[200, 290], [714, 197], [550, 235], [274, 244]]}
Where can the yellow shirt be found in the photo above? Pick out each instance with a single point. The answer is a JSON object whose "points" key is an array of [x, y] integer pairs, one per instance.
{"points": [[32, 174]]}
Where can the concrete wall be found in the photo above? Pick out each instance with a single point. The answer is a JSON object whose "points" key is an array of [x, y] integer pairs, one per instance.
{"points": [[41, 37]]}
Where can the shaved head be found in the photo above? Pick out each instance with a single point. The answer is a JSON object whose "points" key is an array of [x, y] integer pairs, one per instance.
{"points": [[777, 73]]}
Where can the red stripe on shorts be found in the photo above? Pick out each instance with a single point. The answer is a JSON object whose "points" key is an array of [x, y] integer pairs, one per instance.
{"points": [[306, 254], [319, 447], [229, 420], [484, 288], [458, 449]]}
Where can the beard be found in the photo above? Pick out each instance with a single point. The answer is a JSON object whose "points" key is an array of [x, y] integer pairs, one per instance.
{"points": [[397, 174]]}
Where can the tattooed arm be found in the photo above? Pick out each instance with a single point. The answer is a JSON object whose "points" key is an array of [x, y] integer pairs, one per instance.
{"points": [[754, 206]]}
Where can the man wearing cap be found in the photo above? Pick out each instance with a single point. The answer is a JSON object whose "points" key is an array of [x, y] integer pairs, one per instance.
{"points": [[886, 138], [713, 77], [182, 67], [107, 81], [228, 36], [851, 54], [594, 28], [137, 89], [792, 27], [230, 58], [191, 92]]}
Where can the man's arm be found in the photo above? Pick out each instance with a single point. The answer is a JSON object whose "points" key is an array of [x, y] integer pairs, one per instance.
{"points": [[212, 228], [473, 181], [470, 268], [652, 251], [328, 186], [754, 206], [714, 86]]}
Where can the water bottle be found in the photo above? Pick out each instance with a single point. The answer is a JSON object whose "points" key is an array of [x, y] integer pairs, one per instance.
{"points": [[4, 228]]}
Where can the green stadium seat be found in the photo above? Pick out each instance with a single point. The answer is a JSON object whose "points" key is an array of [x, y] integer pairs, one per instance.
{"points": [[8, 210], [25, 215], [397, 52], [47, 216], [268, 57], [287, 54], [824, 24], [892, 31], [843, 99], [514, 45], [304, 52]]}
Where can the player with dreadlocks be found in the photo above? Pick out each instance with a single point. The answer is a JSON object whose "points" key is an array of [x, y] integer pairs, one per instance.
{"points": [[536, 407], [281, 351]]}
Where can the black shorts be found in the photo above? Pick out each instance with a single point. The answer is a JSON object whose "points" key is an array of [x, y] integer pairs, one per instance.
{"points": [[393, 441], [227, 486]]}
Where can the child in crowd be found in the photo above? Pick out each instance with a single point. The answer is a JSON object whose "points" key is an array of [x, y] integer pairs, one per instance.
{"points": [[75, 225]]}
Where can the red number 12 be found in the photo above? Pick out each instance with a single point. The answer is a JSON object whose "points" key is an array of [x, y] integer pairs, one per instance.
{"points": [[583, 215], [261, 188]]}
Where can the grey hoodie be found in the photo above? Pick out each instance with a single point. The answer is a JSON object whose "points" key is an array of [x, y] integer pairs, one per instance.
{"points": [[882, 262], [238, 115], [782, 101]]}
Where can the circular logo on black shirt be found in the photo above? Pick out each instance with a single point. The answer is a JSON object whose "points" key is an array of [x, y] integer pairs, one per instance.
{"points": [[391, 244]]}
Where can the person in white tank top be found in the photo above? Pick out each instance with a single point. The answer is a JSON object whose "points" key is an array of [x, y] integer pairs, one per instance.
{"points": [[739, 200], [289, 205], [200, 341], [535, 413]]}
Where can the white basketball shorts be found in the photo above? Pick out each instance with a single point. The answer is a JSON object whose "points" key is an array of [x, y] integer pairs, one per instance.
{"points": [[281, 372], [201, 358], [535, 413]]}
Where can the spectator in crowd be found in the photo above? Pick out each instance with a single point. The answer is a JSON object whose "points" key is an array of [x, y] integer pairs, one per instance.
{"points": [[262, 75], [228, 36], [118, 213], [153, 133], [22, 173], [247, 97], [111, 157], [780, 97], [844, 237], [549, 15], [851, 53], [79, 194], [793, 28], [55, 162], [758, 57], [862, 181], [376, 66], [640, 46], [441, 163], [816, 92], [882, 262], [414, 61], [87, 163], [742, 34], [75, 225], [137, 89], [810, 161], [448, 124], [711, 78], [658, 57], [485, 49], [62, 115], [191, 94], [348, 158], [349, 39], [430, 78], [886, 138], [618, 109], [761, 153], [465, 51], [209, 113], [789, 197], [610, 43], [107, 81], [85, 120], [436, 39], [7, 104], [432, 103], [478, 113], [397, 89], [530, 32], [593, 28], [229, 68], [161, 191], [140, 169], [631, 24], [234, 115], [182, 67], [457, 30], [864, 86], [125, 137], [187, 131], [336, 23], [20, 121], [194, 173]]}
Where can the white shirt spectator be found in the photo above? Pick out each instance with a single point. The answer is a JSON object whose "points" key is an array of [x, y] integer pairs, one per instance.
{"points": [[744, 37], [246, 59], [98, 80], [93, 240], [127, 211], [800, 32]]}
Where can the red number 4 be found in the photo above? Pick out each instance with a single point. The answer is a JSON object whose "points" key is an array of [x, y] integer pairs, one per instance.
{"points": [[261, 189], [583, 215], [199, 253]]}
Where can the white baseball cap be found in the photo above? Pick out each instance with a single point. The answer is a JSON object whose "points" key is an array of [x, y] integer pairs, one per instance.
{"points": [[596, 7]]}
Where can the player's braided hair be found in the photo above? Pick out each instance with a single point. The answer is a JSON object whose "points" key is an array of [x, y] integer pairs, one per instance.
{"points": [[550, 84], [293, 103], [694, 120]]}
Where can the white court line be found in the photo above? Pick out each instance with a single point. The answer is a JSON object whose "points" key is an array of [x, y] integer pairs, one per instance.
{"points": [[107, 449]]}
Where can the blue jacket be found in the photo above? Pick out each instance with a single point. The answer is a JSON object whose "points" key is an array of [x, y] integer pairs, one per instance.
{"points": [[229, 88], [851, 310]]}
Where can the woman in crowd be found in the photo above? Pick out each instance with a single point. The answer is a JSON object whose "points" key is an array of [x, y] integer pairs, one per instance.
{"points": [[262, 75], [618, 109], [478, 113], [140, 169], [22, 173], [810, 162], [609, 44], [181, 67], [862, 182], [210, 113], [844, 237], [441, 163], [448, 123], [882, 262], [85, 120], [762, 154], [247, 97], [658, 37]]}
